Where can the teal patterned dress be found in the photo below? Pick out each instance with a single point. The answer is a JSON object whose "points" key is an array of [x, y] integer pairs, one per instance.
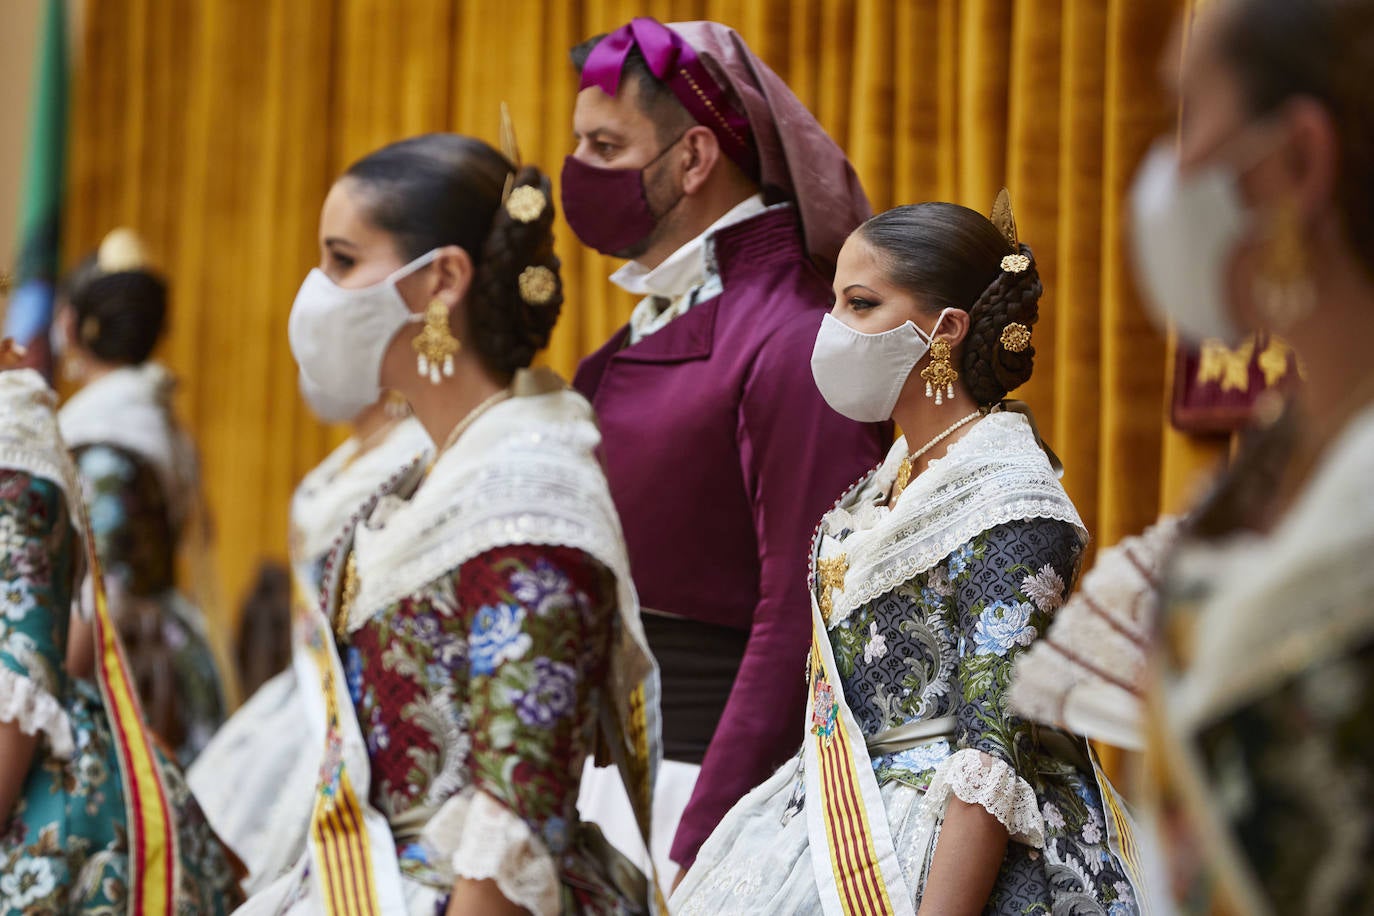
{"points": [[64, 848], [163, 634]]}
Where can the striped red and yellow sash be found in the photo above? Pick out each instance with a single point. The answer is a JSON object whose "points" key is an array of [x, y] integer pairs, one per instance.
{"points": [[338, 830], [853, 855], [153, 878]]}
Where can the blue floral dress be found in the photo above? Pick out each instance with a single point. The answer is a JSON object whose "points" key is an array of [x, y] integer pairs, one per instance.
{"points": [[941, 646], [163, 634], [64, 847]]}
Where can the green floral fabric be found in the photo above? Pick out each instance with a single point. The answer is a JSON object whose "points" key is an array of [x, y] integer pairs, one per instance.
{"points": [[64, 848]]}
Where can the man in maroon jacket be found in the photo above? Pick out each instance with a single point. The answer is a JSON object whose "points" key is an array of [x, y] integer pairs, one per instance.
{"points": [[696, 163]]}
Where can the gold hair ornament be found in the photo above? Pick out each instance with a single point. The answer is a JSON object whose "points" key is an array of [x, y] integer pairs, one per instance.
{"points": [[526, 203], [1003, 219], [1016, 337], [538, 284], [121, 250], [510, 148], [1015, 263]]}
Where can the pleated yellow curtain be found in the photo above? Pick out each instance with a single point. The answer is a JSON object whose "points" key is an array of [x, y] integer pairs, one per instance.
{"points": [[216, 127]]}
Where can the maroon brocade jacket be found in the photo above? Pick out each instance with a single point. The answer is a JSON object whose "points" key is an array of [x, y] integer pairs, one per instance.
{"points": [[722, 456]]}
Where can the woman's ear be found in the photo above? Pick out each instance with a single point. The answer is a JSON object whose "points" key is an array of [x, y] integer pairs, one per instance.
{"points": [[953, 327], [450, 276]]}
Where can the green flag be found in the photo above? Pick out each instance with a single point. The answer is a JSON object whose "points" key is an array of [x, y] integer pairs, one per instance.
{"points": [[30, 311]]}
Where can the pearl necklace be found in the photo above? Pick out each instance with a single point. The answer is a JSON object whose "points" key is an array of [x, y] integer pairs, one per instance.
{"points": [[908, 463]]}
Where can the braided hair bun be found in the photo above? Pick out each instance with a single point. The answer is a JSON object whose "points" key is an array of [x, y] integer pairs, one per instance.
{"points": [[436, 190], [514, 304], [951, 257], [993, 365], [119, 304]]}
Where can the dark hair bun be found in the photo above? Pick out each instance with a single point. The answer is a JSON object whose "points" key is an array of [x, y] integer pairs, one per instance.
{"points": [[510, 319], [120, 316], [990, 368], [447, 189]]}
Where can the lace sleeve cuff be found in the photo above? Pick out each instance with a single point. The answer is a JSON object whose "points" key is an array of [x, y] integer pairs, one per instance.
{"points": [[981, 779], [480, 838], [35, 711]]}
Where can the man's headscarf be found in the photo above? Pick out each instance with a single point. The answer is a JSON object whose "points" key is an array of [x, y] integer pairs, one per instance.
{"points": [[760, 124]]}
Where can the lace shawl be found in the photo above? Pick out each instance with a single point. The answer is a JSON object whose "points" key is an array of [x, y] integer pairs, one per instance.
{"points": [[996, 474], [329, 495], [130, 408], [1281, 603], [525, 472]]}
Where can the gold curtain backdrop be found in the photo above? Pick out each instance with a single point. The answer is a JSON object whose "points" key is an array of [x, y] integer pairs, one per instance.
{"points": [[215, 128]]}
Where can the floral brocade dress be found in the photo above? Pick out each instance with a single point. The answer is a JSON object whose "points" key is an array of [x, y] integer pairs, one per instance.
{"points": [[477, 698], [64, 848], [163, 633]]}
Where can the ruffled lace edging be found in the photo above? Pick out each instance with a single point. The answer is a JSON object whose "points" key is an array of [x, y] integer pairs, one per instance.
{"points": [[480, 838], [981, 779], [35, 711]]}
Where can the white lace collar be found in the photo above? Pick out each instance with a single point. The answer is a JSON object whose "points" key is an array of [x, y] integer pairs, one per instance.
{"points": [[1282, 602], [997, 473], [130, 408], [329, 495], [29, 436]]}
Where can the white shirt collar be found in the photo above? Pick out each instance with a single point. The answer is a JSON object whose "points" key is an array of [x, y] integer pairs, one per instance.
{"points": [[685, 268]]}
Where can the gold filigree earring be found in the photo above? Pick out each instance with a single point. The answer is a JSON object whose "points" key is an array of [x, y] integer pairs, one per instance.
{"points": [[1284, 291], [939, 375], [435, 345]]}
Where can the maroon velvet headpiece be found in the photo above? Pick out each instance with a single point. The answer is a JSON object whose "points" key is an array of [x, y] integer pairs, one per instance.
{"points": [[674, 62]]}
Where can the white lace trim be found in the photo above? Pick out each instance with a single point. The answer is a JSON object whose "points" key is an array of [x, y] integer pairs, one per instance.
{"points": [[327, 497], [29, 437], [35, 711], [995, 475], [131, 408], [480, 838], [1088, 674], [981, 779]]}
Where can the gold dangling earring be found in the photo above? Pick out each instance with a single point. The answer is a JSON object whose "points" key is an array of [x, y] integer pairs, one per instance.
{"points": [[939, 375], [1284, 291], [435, 345]]}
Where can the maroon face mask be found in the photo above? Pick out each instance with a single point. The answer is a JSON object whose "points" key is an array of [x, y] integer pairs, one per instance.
{"points": [[608, 208]]}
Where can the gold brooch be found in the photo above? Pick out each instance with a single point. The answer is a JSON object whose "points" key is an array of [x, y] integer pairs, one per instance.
{"points": [[1016, 336], [525, 204], [538, 284], [1015, 263]]}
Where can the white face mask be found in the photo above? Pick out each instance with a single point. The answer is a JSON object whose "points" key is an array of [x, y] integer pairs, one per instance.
{"points": [[339, 336], [323, 404], [860, 375], [1186, 230]]}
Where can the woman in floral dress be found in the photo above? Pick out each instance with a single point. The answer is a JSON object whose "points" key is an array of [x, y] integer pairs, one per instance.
{"points": [[65, 844], [138, 473], [916, 788], [479, 636]]}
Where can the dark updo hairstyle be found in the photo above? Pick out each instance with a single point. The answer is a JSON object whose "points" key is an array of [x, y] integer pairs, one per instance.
{"points": [[446, 189], [949, 256], [120, 315]]}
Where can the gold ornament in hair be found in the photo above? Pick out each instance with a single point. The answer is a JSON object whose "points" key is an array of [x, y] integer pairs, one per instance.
{"points": [[1003, 219], [121, 250], [1016, 263], [1016, 337], [538, 284], [525, 204]]}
